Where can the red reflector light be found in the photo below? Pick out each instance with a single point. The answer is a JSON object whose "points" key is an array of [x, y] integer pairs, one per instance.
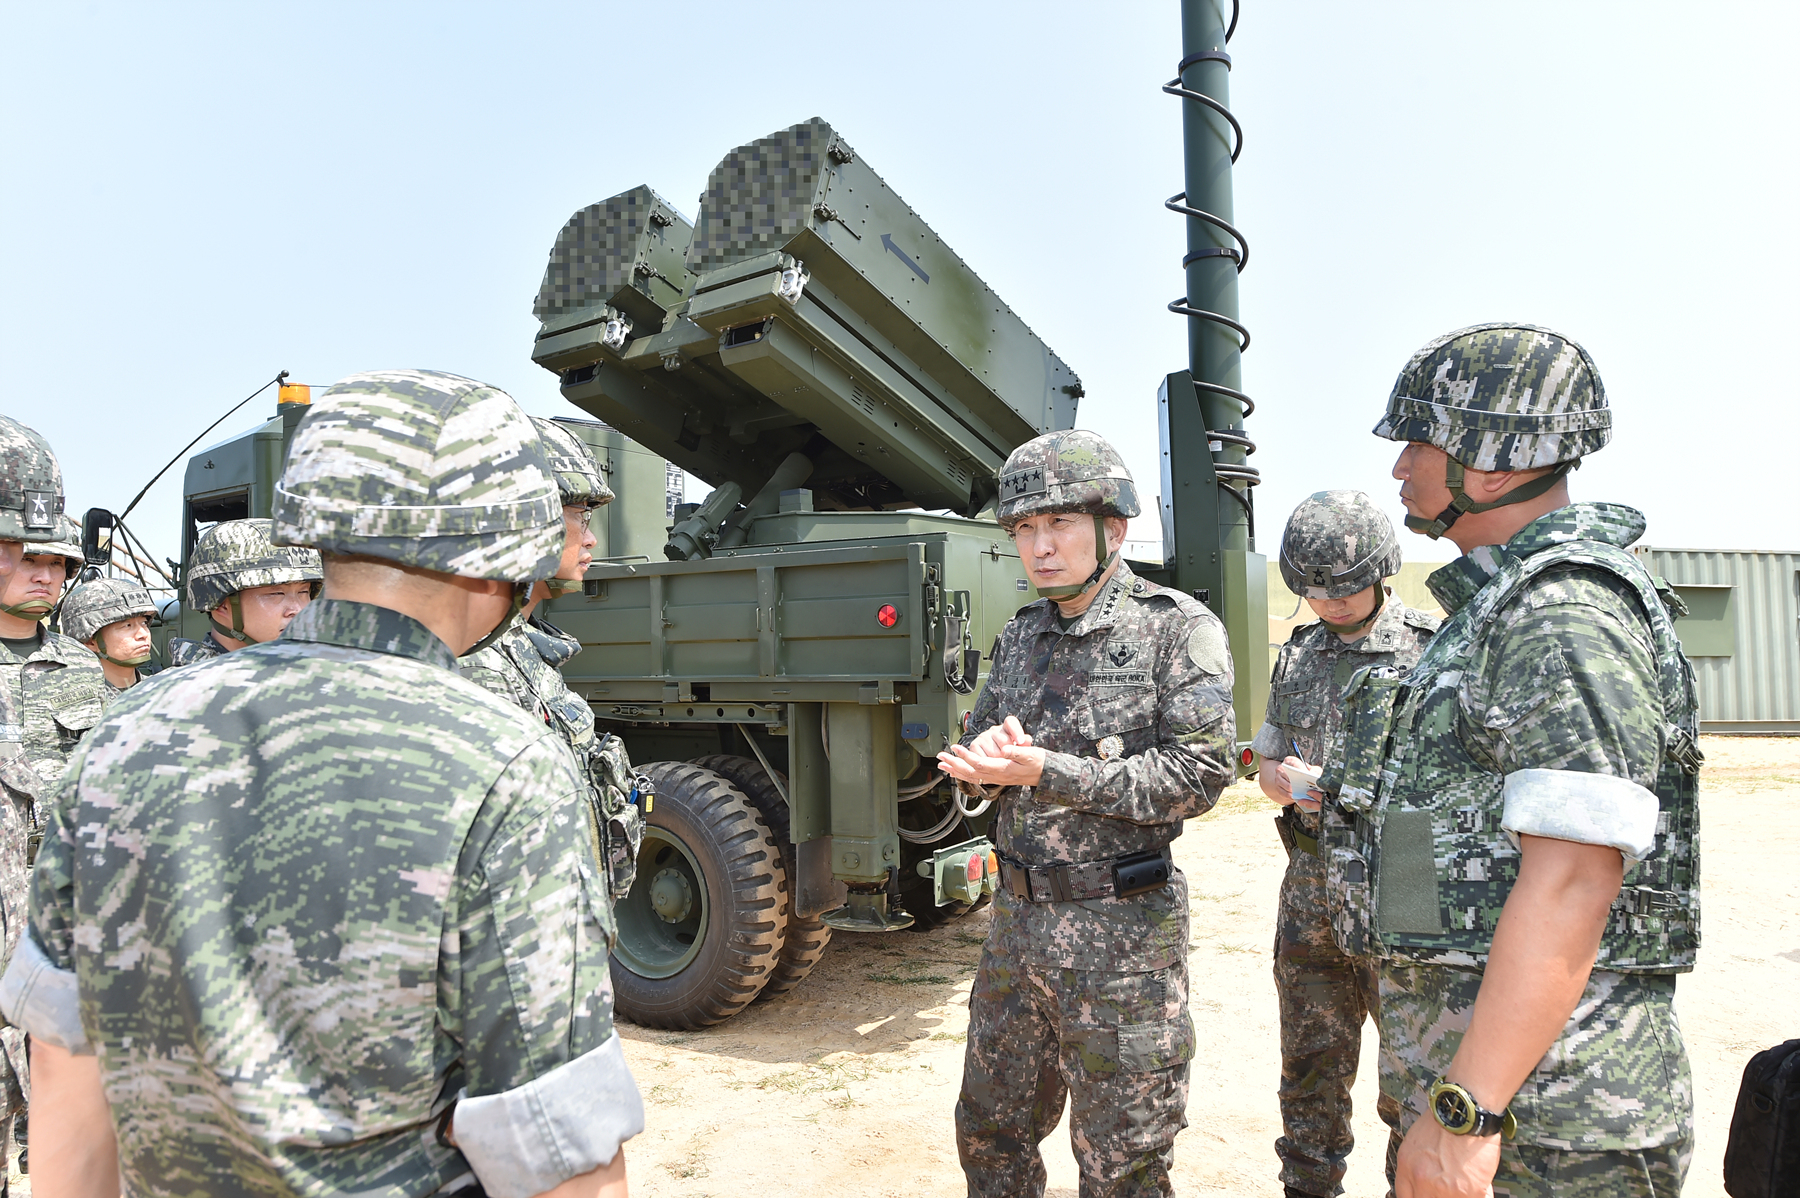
{"points": [[975, 864], [888, 615], [1247, 756]]}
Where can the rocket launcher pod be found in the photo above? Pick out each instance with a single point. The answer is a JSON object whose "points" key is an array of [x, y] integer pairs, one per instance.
{"points": [[817, 315]]}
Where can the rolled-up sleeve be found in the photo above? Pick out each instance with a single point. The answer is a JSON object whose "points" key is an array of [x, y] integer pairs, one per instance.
{"points": [[526, 988], [1569, 707]]}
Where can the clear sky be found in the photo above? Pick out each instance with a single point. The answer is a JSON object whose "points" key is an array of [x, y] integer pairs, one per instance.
{"points": [[196, 196]]}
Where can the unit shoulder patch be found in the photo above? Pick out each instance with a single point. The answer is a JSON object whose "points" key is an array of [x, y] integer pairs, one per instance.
{"points": [[1206, 647]]}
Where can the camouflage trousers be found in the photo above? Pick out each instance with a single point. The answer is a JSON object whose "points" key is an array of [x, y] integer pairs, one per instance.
{"points": [[1324, 996], [1117, 1045], [1616, 1078]]}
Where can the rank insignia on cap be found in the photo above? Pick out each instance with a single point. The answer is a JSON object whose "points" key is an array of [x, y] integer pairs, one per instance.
{"points": [[1318, 576], [1023, 482], [39, 509]]}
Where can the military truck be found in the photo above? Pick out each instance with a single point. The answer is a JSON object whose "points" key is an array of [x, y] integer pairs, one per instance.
{"points": [[785, 658]]}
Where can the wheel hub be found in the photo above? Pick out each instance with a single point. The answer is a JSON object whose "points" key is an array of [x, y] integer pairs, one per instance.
{"points": [[671, 897]]}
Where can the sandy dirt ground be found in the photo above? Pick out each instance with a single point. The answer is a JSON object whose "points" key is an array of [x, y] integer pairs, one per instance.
{"points": [[851, 1078]]}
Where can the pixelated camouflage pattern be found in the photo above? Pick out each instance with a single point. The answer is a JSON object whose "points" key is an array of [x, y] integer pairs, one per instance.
{"points": [[1073, 471], [183, 652], [67, 546], [1116, 1045], [1148, 666], [578, 476], [1564, 660], [31, 486], [1337, 544], [93, 605], [1615, 1080], [19, 784], [597, 253], [1324, 993], [311, 891], [236, 555], [423, 469], [54, 695], [1323, 997], [1305, 711], [524, 668], [1501, 396], [760, 195]]}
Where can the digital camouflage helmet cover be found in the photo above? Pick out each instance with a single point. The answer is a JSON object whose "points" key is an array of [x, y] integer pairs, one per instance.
{"points": [[1073, 471], [1337, 544], [100, 602], [31, 486], [1497, 397], [236, 555]]}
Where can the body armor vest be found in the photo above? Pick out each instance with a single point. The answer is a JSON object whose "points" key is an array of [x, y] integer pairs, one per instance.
{"points": [[1426, 868]]}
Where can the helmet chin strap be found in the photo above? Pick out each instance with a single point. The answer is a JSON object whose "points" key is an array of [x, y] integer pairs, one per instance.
{"points": [[1093, 580], [1460, 502], [521, 596], [32, 609], [236, 631]]}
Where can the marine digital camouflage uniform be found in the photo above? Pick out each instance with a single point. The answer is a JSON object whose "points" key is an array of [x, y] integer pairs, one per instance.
{"points": [[1324, 994], [321, 904], [54, 694], [1088, 998], [1553, 702], [524, 667], [185, 652]]}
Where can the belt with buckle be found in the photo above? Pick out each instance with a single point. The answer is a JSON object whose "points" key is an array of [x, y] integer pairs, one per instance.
{"points": [[1115, 877]]}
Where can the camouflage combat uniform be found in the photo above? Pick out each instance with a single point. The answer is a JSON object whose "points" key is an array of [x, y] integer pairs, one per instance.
{"points": [[1089, 998], [92, 607], [524, 667], [1324, 994], [1553, 702], [31, 502], [185, 652], [321, 906]]}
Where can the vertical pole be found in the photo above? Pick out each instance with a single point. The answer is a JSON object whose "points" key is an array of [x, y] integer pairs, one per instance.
{"points": [[1212, 284]]}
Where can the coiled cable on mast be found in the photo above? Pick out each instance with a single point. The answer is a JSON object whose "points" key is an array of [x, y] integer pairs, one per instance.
{"points": [[1239, 255]]}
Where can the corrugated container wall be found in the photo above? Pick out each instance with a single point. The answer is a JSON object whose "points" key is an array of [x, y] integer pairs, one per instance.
{"points": [[1742, 633]]}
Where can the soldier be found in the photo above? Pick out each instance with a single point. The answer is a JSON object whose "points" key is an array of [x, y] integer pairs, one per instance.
{"points": [[327, 943], [1525, 858], [31, 500], [111, 616], [53, 682], [238, 573], [1105, 722], [524, 666], [1337, 550]]}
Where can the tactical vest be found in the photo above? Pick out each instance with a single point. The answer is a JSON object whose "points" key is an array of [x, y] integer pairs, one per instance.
{"points": [[1427, 869]]}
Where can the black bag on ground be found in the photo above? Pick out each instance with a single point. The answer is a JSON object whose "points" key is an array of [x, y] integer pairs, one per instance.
{"points": [[1762, 1157]]}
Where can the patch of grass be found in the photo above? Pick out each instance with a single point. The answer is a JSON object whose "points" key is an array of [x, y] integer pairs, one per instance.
{"points": [[1216, 898], [894, 979], [968, 940], [953, 1037], [1234, 948], [666, 1095]]}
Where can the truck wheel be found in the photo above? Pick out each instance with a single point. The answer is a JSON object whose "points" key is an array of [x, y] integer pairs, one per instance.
{"points": [[806, 938], [701, 931]]}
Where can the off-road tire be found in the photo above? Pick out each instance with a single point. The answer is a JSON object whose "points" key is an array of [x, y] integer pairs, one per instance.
{"points": [[739, 862], [806, 938]]}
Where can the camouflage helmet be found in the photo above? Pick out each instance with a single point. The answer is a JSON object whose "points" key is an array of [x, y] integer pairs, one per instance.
{"points": [[1499, 397], [102, 601], [236, 555], [31, 488], [425, 469], [1337, 544], [67, 546], [578, 477], [1074, 471]]}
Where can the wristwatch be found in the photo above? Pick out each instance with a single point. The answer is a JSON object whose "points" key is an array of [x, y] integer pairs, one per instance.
{"points": [[1460, 1115]]}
